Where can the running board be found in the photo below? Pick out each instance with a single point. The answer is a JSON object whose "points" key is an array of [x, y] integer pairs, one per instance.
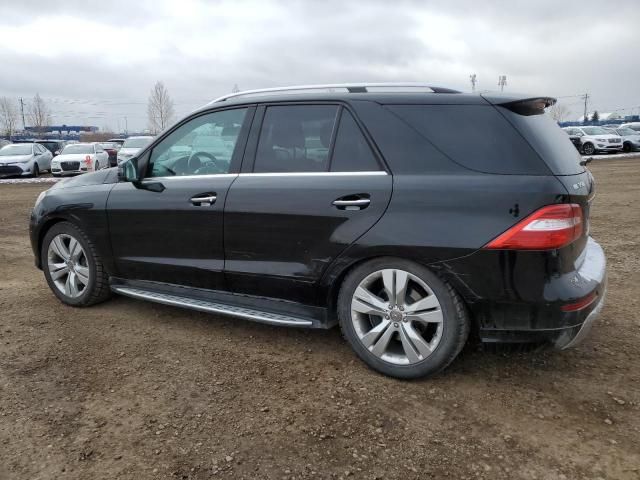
{"points": [[213, 307]]}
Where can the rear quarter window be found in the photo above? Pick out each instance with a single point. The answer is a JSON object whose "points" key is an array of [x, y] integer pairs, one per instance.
{"points": [[548, 140], [476, 137]]}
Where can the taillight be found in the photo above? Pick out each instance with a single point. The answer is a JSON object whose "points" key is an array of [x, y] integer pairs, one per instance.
{"points": [[553, 226]]}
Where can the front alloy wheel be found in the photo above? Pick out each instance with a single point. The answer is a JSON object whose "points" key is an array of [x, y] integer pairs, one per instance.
{"points": [[589, 149], [68, 265], [73, 267]]}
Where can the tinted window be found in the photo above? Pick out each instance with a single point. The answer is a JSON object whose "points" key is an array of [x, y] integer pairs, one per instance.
{"points": [[202, 146], [295, 139], [548, 140], [476, 137], [352, 152]]}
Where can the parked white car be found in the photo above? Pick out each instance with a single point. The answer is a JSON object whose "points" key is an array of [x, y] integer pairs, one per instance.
{"points": [[80, 158], [596, 139], [633, 126], [630, 138], [24, 159], [131, 146]]}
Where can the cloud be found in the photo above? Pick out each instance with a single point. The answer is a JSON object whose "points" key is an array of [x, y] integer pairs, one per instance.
{"points": [[95, 61]]}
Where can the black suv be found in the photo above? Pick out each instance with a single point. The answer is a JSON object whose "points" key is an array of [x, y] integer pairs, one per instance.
{"points": [[409, 216]]}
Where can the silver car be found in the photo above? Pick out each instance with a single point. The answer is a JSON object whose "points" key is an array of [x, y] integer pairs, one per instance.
{"points": [[24, 159], [630, 138], [131, 146]]}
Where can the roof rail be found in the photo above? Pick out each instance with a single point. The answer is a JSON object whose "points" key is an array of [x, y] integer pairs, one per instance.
{"points": [[348, 87]]}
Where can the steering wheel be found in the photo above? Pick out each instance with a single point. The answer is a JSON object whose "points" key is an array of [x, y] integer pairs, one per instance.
{"points": [[197, 166]]}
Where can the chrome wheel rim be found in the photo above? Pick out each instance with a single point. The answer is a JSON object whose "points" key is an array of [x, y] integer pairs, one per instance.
{"points": [[589, 149], [68, 265], [397, 316]]}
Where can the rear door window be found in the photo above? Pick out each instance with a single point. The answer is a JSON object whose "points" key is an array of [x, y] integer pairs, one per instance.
{"points": [[295, 138], [351, 152]]}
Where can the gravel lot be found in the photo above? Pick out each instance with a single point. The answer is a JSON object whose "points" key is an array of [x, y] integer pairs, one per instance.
{"points": [[133, 390]]}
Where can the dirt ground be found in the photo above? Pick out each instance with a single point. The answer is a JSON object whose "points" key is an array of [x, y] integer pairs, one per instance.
{"points": [[134, 390]]}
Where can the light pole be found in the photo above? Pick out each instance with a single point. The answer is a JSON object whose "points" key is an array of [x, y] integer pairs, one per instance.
{"points": [[502, 81]]}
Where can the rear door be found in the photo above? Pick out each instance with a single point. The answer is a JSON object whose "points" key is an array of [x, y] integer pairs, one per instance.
{"points": [[311, 185], [169, 228]]}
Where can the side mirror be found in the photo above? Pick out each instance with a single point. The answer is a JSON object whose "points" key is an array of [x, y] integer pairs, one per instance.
{"points": [[128, 171]]}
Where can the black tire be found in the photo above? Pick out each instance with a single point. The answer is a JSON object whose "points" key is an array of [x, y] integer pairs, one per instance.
{"points": [[97, 166], [36, 171], [588, 149], [97, 289], [456, 324], [627, 147]]}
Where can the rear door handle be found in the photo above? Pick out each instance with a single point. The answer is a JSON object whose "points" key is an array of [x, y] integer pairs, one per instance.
{"points": [[352, 202], [206, 199]]}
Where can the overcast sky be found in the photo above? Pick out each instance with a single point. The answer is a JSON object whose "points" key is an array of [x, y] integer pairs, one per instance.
{"points": [[95, 62]]}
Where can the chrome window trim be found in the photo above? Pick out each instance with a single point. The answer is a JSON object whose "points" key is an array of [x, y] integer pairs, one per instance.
{"points": [[188, 177], [268, 174], [312, 174]]}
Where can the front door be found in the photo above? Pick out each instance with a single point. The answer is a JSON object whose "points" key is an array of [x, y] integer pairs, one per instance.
{"points": [[169, 227], [314, 186]]}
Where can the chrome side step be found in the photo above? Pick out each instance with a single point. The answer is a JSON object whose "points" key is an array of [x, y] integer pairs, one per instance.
{"points": [[213, 307]]}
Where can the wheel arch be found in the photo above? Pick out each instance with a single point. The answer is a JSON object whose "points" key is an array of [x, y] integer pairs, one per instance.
{"points": [[44, 228], [333, 280]]}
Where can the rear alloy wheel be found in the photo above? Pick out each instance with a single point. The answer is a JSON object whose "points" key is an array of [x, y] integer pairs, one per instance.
{"points": [[401, 319], [589, 149]]}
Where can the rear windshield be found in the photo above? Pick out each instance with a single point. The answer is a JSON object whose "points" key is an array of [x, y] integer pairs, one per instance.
{"points": [[477, 137], [549, 140]]}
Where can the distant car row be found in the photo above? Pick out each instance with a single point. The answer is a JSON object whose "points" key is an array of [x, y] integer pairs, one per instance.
{"points": [[65, 158], [590, 140]]}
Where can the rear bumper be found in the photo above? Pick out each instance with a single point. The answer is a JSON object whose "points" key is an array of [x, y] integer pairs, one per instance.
{"points": [[528, 303]]}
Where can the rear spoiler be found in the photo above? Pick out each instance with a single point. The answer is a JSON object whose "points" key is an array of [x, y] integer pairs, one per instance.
{"points": [[519, 104]]}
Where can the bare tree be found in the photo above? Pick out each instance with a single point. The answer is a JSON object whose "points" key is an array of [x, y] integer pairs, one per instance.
{"points": [[159, 108], [8, 116], [558, 112], [39, 114]]}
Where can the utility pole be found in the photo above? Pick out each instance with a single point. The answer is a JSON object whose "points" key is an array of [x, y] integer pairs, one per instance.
{"points": [[24, 126], [126, 126], [585, 97], [502, 81], [472, 77]]}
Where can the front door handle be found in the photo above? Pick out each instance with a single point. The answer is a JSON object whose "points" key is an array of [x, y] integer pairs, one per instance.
{"points": [[204, 200]]}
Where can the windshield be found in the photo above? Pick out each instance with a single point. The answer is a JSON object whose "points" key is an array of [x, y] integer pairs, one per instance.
{"points": [[136, 142], [626, 131], [77, 148], [596, 131], [108, 145], [24, 149]]}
